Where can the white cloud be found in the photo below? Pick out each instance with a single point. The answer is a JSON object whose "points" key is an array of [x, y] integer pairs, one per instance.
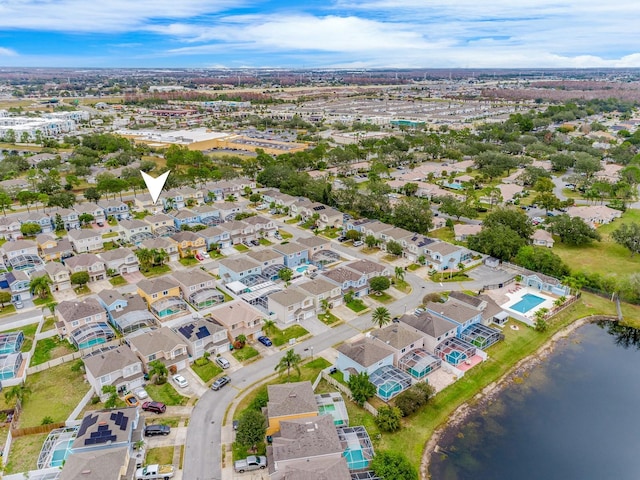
{"points": [[7, 52]]}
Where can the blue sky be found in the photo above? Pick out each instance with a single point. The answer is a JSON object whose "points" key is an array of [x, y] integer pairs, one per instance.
{"points": [[313, 33]]}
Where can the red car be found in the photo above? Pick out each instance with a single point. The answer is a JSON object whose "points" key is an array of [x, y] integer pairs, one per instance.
{"points": [[155, 407]]}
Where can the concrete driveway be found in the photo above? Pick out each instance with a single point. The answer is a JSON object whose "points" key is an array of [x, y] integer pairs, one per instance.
{"points": [[134, 277]]}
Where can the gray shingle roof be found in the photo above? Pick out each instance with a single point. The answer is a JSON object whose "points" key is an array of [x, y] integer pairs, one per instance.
{"points": [[75, 310], [365, 351], [396, 336], [291, 399], [110, 361], [428, 324], [306, 437]]}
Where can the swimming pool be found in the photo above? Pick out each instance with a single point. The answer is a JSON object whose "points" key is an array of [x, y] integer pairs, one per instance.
{"points": [[302, 268], [326, 409], [355, 459], [60, 453], [526, 303]]}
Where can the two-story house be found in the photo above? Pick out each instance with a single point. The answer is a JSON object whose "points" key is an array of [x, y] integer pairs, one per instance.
{"points": [[92, 209], [291, 305], [143, 202], [59, 275], [235, 269], [10, 228], [189, 243], [239, 231], [289, 401], [364, 355], [135, 231], [434, 329], [18, 248], [348, 280], [316, 247], [209, 214], [173, 199], [162, 295], [162, 344], [400, 338], [39, 218], [320, 289], [121, 260], [293, 253], [262, 226], [203, 335], [184, 217], [166, 244], [239, 318], [87, 262], [85, 240], [215, 237], [83, 323], [369, 269], [376, 229], [50, 248], [329, 218], [69, 218], [161, 224], [126, 313], [115, 208], [445, 256], [18, 282], [198, 288], [455, 312], [119, 367]]}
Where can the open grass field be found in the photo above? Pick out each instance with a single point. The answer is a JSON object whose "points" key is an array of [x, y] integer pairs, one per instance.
{"points": [[157, 270], [282, 337], [117, 281], [166, 394], [24, 453], [50, 348], [206, 371], [55, 392], [161, 455]]}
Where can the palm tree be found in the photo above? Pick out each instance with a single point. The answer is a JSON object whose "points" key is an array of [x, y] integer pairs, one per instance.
{"points": [[159, 257], [325, 305], [159, 370], [268, 326], [290, 360], [18, 392], [399, 272], [170, 203], [40, 286], [145, 256], [381, 317]]}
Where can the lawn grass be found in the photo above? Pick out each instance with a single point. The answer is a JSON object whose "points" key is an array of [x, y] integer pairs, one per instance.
{"points": [[166, 394], [110, 235], [188, 261], [245, 353], [110, 246], [291, 221], [160, 455], [50, 348], [156, 270], [7, 309], [227, 297], [83, 290], [156, 420], [448, 277], [118, 280], [413, 267], [206, 371], [49, 324], [329, 319], [215, 255], [55, 392], [356, 305], [445, 234], [43, 301], [331, 232], [401, 285], [265, 242], [24, 453], [242, 451], [382, 297], [241, 248], [282, 337]]}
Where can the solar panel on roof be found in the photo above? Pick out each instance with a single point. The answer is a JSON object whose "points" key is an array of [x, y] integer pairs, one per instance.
{"points": [[86, 423], [186, 330], [123, 424], [202, 332]]}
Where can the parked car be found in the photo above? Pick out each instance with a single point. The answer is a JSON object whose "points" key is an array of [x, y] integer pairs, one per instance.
{"points": [[358, 243], [18, 304], [252, 462], [333, 370], [131, 400], [396, 319], [255, 243], [219, 383], [153, 430], [100, 224], [141, 393], [265, 341], [155, 407], [155, 472], [180, 381], [223, 362], [342, 239], [205, 254]]}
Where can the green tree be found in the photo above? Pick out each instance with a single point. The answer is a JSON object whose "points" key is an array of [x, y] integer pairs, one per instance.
{"points": [[540, 322], [26, 198], [543, 184], [498, 241], [252, 428], [268, 326], [40, 286], [325, 305], [399, 273], [79, 278], [5, 202], [30, 229], [5, 297], [456, 208], [19, 393], [394, 248], [290, 360], [158, 370], [145, 257], [86, 218], [573, 231], [541, 259], [113, 395], [92, 194], [285, 274], [370, 241], [413, 214], [547, 200], [393, 466], [628, 235], [379, 284], [515, 219], [62, 199], [59, 224], [381, 317], [255, 198], [354, 235], [388, 419], [361, 388]]}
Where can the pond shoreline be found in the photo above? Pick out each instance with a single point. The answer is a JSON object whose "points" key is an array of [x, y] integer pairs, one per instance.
{"points": [[464, 410]]}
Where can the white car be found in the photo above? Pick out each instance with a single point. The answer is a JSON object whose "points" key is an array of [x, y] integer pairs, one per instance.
{"points": [[141, 393], [205, 254], [180, 381]]}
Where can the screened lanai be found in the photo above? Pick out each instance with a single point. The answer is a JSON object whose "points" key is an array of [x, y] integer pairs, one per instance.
{"points": [[481, 336], [26, 262], [9, 365], [56, 447], [324, 257], [92, 334], [389, 381], [271, 272], [419, 363], [454, 350], [168, 307], [11, 342], [357, 447], [132, 321], [206, 297]]}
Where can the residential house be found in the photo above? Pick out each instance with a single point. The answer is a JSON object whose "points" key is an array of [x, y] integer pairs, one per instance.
{"points": [[203, 335], [544, 283], [228, 210], [59, 275], [162, 344], [189, 243], [10, 228], [39, 218], [162, 295], [261, 226], [236, 269], [398, 235], [329, 218], [108, 464], [289, 401], [85, 240], [239, 231], [198, 288], [115, 208], [18, 282], [594, 215], [463, 231], [399, 338], [121, 260], [455, 312], [315, 244], [444, 256], [320, 289], [369, 269], [434, 329], [490, 310], [51, 249], [239, 318], [111, 429], [161, 224], [270, 262], [119, 367], [185, 217], [303, 208], [192, 196], [376, 228], [126, 313], [279, 199], [69, 218], [209, 214], [294, 254], [348, 280], [542, 238], [291, 305], [359, 225], [215, 237], [92, 209], [166, 244], [87, 262], [83, 323], [173, 199], [135, 231], [364, 355], [143, 202], [18, 248], [314, 468]]}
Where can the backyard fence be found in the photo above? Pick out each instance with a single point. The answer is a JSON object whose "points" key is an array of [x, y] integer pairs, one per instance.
{"points": [[344, 389], [495, 286], [21, 432], [70, 357]]}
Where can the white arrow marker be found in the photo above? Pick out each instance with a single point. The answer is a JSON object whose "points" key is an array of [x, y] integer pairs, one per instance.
{"points": [[155, 185]]}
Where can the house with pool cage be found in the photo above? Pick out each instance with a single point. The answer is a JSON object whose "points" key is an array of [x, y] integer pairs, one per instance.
{"points": [[161, 344], [117, 366], [83, 323], [126, 313], [198, 288], [163, 298], [10, 355]]}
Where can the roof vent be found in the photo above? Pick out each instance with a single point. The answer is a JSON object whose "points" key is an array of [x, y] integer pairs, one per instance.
{"points": [[86, 472]]}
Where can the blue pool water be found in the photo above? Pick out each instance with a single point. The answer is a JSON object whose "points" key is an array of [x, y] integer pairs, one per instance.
{"points": [[60, 454], [355, 459], [527, 302], [302, 268]]}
